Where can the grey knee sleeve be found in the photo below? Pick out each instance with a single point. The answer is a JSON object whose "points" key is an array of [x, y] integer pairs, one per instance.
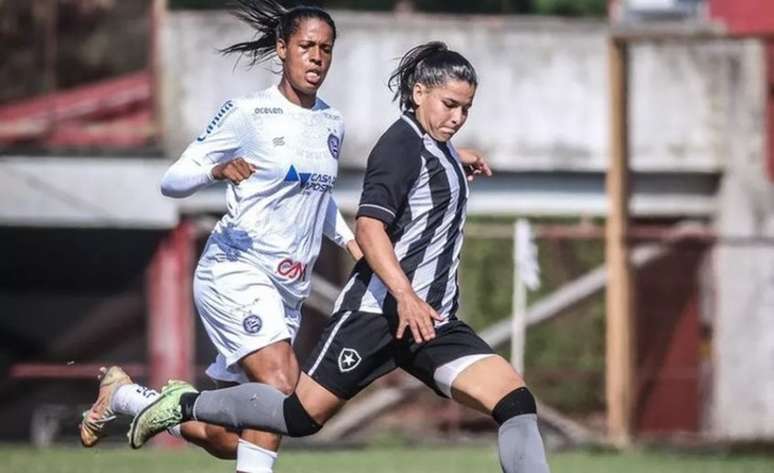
{"points": [[247, 406], [520, 446], [255, 406]]}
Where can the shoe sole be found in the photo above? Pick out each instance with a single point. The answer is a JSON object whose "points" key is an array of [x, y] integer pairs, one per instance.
{"points": [[136, 420]]}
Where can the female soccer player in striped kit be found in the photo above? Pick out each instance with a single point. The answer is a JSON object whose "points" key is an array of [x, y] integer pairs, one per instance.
{"points": [[278, 150], [399, 307]]}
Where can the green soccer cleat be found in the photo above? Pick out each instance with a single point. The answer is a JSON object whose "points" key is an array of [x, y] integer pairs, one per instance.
{"points": [[160, 415]]}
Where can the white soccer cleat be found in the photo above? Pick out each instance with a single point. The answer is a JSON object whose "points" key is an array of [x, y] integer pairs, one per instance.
{"points": [[100, 414]]}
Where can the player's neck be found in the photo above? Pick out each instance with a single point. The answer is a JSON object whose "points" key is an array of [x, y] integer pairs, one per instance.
{"points": [[295, 96]]}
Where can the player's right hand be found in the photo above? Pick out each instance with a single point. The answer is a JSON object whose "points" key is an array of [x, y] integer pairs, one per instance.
{"points": [[416, 315], [236, 170]]}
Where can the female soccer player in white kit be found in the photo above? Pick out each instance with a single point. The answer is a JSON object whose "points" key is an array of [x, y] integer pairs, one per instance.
{"points": [[278, 149]]}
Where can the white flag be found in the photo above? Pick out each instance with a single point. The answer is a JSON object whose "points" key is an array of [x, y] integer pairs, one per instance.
{"points": [[526, 255]]}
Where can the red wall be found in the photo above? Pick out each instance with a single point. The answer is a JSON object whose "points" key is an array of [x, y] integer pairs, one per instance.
{"points": [[745, 17], [668, 343]]}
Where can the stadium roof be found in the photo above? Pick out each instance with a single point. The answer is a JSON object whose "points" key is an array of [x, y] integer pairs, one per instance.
{"points": [[84, 192]]}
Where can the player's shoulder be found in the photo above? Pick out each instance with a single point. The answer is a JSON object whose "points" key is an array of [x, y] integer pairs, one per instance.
{"points": [[230, 107], [264, 101], [327, 110], [401, 137]]}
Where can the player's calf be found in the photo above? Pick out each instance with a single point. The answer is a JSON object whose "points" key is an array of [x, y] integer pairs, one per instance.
{"points": [[520, 445], [269, 409], [247, 406]]}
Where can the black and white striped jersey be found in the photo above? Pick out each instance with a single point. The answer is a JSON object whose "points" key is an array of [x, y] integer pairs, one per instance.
{"points": [[417, 187]]}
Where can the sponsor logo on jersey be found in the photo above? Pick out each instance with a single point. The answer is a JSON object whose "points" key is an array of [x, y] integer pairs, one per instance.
{"points": [[269, 111], [333, 145], [290, 269], [278, 141], [233, 242], [224, 111], [349, 359], [252, 324], [311, 181]]}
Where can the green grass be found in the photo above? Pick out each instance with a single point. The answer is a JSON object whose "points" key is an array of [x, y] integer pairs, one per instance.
{"points": [[370, 460]]}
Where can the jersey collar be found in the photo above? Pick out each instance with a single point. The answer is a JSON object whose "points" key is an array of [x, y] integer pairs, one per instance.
{"points": [[318, 104], [411, 119]]}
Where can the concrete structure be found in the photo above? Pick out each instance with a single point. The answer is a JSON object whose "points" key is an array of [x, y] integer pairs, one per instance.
{"points": [[542, 104], [84, 192], [743, 349], [541, 107]]}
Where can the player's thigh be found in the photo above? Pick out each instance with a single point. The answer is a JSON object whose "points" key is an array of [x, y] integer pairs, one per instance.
{"points": [[243, 313], [355, 349], [485, 382], [275, 364]]}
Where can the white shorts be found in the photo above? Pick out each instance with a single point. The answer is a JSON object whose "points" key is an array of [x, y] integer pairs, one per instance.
{"points": [[242, 312]]}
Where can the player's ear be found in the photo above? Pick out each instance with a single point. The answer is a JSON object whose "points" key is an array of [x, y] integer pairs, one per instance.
{"points": [[419, 93], [282, 49]]}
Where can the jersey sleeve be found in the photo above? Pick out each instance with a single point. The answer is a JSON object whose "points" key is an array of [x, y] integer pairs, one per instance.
{"points": [[220, 142], [392, 169], [335, 228]]}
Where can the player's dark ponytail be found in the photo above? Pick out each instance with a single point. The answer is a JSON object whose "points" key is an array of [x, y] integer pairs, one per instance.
{"points": [[430, 64], [271, 21]]}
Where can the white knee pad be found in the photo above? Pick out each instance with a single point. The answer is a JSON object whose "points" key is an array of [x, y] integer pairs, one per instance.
{"points": [[445, 375], [253, 459]]}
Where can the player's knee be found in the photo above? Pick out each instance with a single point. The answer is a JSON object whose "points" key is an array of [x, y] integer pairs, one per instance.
{"points": [[284, 384], [280, 379], [516, 403], [298, 421]]}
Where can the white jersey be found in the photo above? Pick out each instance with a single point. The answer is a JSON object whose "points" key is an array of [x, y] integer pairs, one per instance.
{"points": [[275, 219]]}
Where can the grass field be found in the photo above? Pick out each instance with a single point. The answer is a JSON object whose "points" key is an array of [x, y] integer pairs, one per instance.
{"points": [[370, 460]]}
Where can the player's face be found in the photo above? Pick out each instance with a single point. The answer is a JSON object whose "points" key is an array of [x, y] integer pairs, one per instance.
{"points": [[442, 110], [306, 57]]}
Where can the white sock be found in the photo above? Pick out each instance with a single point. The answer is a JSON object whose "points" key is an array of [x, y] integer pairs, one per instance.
{"points": [[175, 431], [253, 459], [130, 399]]}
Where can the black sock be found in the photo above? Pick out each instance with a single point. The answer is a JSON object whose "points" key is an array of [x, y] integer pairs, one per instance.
{"points": [[187, 402]]}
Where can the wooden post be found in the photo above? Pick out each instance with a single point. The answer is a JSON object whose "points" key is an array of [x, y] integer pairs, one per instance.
{"points": [[620, 318]]}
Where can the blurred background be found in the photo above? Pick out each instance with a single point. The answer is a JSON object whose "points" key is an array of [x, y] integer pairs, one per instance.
{"points": [[622, 255]]}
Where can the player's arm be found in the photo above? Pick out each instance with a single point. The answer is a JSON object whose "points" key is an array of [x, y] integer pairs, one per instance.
{"points": [[474, 162], [413, 313], [392, 170], [212, 157], [335, 228]]}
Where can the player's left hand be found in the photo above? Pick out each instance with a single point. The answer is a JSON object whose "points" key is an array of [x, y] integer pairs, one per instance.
{"points": [[474, 163]]}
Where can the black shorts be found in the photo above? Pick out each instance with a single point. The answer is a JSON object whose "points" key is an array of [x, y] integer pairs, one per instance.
{"points": [[358, 347]]}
